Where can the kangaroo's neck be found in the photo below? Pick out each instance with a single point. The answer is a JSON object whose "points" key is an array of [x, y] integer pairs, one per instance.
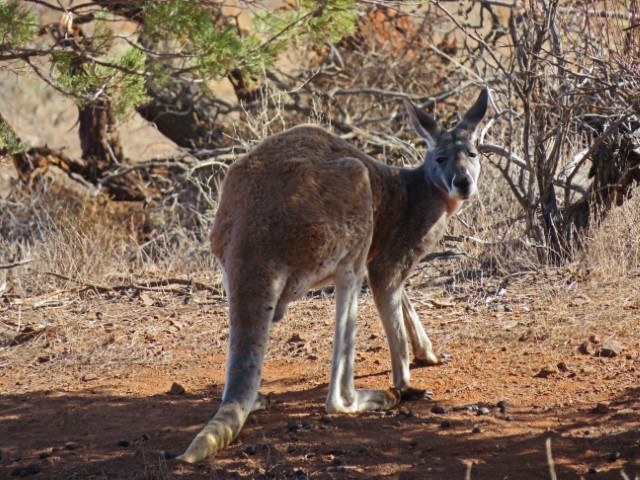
{"points": [[409, 207]]}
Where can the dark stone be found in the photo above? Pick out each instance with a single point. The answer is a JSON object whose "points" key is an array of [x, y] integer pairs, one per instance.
{"points": [[614, 456], [483, 411], [250, 450], [326, 419], [123, 443], [170, 455], [33, 468], [439, 410], [476, 429], [44, 455], [445, 424]]}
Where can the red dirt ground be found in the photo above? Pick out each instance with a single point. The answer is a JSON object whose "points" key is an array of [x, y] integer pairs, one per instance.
{"points": [[99, 368]]}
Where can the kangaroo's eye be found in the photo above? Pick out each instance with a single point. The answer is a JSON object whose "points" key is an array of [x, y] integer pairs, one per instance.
{"points": [[472, 154], [441, 160]]}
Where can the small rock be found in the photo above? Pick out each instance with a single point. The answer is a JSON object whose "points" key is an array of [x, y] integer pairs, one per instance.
{"points": [[593, 470], [294, 425], [586, 348], [176, 389], [406, 414], [503, 409], [88, 377], [445, 424], [508, 308], [363, 449], [413, 443], [476, 429], [614, 456], [591, 431], [71, 445], [439, 410], [300, 475], [595, 339], [291, 448], [547, 371], [509, 418], [33, 468], [123, 443], [250, 450], [296, 338], [326, 419], [170, 455], [562, 367], [483, 411], [603, 407], [43, 455], [610, 349], [142, 438]]}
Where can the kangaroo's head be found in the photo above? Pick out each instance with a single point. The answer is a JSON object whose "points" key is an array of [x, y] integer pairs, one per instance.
{"points": [[452, 162]]}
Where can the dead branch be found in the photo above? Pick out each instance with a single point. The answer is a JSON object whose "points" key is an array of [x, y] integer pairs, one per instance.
{"points": [[7, 266]]}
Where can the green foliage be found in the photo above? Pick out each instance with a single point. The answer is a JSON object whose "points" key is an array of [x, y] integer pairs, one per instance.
{"points": [[328, 20], [207, 47], [9, 142], [18, 24], [121, 78]]}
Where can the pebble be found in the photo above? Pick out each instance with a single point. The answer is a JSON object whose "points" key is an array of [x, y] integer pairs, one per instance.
{"points": [[33, 468], [43, 455], [176, 389], [466, 408], [445, 424], [326, 419], [291, 448], [508, 308], [610, 349], [614, 456], [509, 418], [476, 429], [250, 450], [123, 443], [142, 438], [483, 411], [71, 445], [170, 455], [439, 410], [602, 407], [294, 425], [547, 371], [593, 470], [300, 475]]}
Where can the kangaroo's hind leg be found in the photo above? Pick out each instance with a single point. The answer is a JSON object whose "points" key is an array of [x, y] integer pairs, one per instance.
{"points": [[251, 310]]}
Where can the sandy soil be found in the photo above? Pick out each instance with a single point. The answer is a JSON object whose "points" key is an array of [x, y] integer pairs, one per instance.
{"points": [[87, 370]]}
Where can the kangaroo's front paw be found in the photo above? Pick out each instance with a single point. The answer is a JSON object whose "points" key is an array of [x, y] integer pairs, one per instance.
{"points": [[410, 394], [432, 359]]}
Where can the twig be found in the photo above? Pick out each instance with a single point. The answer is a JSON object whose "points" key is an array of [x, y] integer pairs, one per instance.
{"points": [[153, 286], [552, 471], [7, 266]]}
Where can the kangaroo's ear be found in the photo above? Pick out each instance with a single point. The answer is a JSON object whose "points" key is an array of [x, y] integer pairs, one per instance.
{"points": [[426, 126], [474, 116]]}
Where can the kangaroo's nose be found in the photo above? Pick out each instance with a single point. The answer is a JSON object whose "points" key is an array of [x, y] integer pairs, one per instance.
{"points": [[462, 183]]}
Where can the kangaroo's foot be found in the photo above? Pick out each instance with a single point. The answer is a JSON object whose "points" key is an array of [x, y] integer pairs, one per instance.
{"points": [[432, 359], [410, 394], [364, 401]]}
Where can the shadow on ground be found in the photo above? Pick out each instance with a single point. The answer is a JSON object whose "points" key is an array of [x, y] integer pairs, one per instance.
{"points": [[295, 439]]}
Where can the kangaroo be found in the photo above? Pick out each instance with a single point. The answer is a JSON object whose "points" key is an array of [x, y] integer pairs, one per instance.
{"points": [[305, 209]]}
